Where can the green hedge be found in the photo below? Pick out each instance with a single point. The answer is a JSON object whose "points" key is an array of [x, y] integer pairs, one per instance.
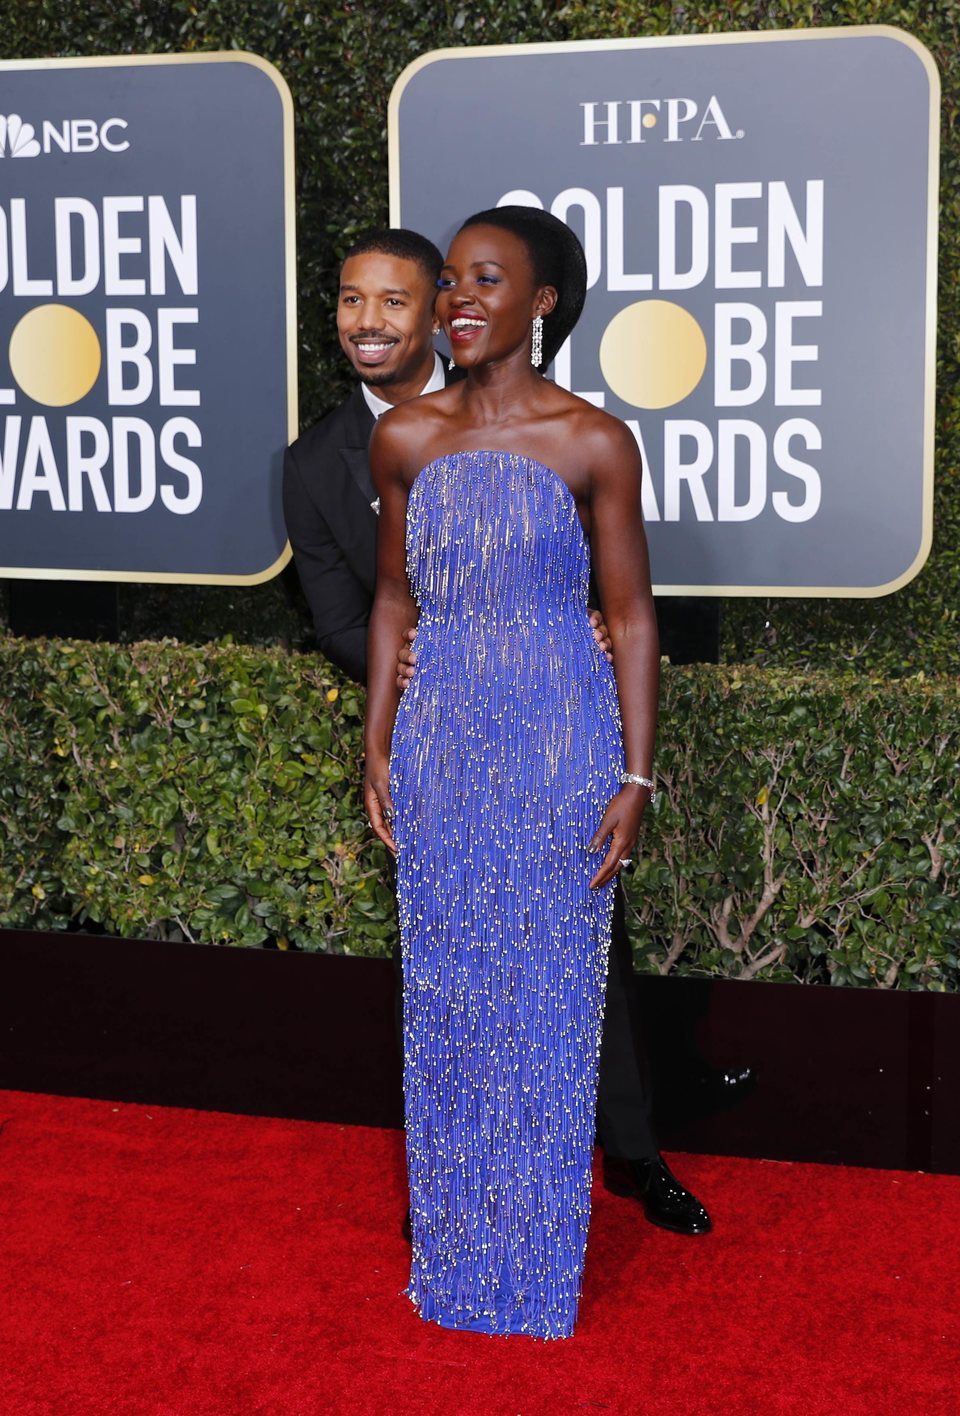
{"points": [[167, 792], [341, 60], [806, 830]]}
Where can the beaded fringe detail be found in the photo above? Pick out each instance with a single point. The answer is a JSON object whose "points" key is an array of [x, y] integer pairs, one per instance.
{"points": [[506, 751]]}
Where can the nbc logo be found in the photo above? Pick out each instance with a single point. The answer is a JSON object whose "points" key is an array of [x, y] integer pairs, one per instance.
{"points": [[17, 139], [73, 135]]}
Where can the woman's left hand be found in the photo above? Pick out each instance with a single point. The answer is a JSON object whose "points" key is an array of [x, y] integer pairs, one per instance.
{"points": [[621, 822]]}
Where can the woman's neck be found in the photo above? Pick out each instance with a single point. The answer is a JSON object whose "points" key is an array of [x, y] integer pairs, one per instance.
{"points": [[495, 391]]}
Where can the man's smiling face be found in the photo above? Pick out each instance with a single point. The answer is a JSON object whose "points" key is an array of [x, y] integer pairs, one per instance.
{"points": [[385, 318]]}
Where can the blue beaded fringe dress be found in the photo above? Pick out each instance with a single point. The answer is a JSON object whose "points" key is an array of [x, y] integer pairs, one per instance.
{"points": [[505, 752]]}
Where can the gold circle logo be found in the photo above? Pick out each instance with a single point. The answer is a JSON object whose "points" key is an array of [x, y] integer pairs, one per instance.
{"points": [[54, 355], [653, 354]]}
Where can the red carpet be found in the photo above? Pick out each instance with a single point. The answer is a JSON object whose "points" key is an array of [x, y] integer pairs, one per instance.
{"points": [[161, 1262]]}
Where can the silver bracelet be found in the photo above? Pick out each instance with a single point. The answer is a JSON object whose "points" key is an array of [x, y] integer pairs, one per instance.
{"points": [[634, 780]]}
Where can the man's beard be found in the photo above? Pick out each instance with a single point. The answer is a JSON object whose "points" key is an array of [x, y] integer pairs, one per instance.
{"points": [[373, 378]]}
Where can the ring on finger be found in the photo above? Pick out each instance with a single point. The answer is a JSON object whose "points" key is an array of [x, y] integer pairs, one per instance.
{"points": [[626, 862]]}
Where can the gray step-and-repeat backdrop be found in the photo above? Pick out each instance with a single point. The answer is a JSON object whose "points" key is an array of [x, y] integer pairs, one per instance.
{"points": [[147, 317], [759, 217]]}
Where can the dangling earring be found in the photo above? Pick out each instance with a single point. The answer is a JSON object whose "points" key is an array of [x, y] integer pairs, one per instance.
{"points": [[452, 364], [536, 344]]}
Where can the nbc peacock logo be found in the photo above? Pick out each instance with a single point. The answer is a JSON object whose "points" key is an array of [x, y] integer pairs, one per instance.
{"points": [[17, 138]]}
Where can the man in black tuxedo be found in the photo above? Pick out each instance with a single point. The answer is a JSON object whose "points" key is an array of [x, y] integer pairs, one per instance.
{"points": [[386, 326]]}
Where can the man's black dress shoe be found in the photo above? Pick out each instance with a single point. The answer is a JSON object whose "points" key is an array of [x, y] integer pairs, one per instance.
{"points": [[665, 1201]]}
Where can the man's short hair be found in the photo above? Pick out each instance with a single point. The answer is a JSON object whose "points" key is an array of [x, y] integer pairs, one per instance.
{"points": [[403, 245]]}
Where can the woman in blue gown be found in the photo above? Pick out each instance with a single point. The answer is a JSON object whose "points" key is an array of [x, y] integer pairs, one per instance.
{"points": [[515, 759]]}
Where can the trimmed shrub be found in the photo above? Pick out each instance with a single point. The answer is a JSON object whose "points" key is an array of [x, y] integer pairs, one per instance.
{"points": [[808, 831], [209, 795], [806, 828]]}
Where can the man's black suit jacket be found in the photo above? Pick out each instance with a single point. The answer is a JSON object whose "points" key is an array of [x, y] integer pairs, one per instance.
{"points": [[328, 503]]}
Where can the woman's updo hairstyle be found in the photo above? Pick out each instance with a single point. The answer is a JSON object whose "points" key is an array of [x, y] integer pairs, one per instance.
{"points": [[557, 259]]}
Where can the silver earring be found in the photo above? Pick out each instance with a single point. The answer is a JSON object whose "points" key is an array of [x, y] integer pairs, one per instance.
{"points": [[452, 363], [536, 345]]}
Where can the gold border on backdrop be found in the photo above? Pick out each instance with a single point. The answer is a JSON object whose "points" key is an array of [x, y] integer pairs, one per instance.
{"points": [[933, 176], [215, 56]]}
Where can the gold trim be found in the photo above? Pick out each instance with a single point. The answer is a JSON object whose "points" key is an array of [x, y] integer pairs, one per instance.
{"points": [[933, 177], [213, 56], [156, 577]]}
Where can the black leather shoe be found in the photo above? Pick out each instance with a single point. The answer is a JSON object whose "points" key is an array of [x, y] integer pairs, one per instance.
{"points": [[665, 1201]]}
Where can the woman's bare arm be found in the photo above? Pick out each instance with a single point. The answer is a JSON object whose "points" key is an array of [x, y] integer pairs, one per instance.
{"points": [[622, 569], [394, 611]]}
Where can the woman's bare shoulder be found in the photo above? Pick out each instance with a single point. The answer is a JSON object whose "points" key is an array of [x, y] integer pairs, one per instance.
{"points": [[400, 434], [404, 436], [600, 437]]}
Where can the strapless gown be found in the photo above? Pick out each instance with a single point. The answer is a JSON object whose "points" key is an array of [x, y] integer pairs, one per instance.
{"points": [[506, 750]]}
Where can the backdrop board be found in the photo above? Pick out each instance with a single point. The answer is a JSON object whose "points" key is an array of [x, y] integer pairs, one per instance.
{"points": [[147, 317], [759, 217]]}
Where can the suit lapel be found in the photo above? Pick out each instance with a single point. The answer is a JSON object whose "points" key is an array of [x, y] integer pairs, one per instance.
{"points": [[358, 466], [358, 426]]}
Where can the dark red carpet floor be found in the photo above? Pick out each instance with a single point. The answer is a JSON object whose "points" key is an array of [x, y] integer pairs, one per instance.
{"points": [[162, 1262]]}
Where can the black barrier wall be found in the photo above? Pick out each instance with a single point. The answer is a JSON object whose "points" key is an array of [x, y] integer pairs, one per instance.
{"points": [[843, 1076]]}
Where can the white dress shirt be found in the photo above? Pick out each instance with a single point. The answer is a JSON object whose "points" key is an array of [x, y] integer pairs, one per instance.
{"points": [[434, 384]]}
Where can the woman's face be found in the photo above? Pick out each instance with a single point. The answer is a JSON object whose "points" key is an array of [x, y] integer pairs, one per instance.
{"points": [[488, 297]]}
